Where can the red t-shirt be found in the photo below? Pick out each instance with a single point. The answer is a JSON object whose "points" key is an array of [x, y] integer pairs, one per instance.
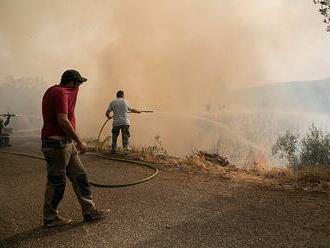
{"points": [[58, 100]]}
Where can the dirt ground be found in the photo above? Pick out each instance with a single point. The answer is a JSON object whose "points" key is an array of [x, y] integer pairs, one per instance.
{"points": [[175, 209]]}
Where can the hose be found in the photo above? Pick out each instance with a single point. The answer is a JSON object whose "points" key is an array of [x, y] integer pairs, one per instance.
{"points": [[104, 157], [143, 164], [98, 146], [22, 155], [99, 135]]}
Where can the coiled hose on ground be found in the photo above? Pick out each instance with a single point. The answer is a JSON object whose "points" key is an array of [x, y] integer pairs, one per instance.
{"points": [[98, 154]]}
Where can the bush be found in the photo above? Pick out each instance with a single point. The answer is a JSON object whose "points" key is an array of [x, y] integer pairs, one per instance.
{"points": [[312, 150], [286, 147]]}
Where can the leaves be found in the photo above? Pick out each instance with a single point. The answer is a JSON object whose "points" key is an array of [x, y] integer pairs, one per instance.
{"points": [[315, 148], [324, 9], [286, 147]]}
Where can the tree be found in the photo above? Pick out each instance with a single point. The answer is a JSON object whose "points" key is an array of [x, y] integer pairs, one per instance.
{"points": [[287, 148], [312, 150], [324, 9]]}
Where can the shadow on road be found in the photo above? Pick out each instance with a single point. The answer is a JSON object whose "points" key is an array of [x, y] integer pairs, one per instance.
{"points": [[39, 232]]}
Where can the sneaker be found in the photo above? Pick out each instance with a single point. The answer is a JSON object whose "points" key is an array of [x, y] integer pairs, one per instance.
{"points": [[96, 214], [58, 221]]}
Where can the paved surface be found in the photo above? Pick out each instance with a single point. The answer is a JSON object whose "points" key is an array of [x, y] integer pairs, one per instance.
{"points": [[176, 209]]}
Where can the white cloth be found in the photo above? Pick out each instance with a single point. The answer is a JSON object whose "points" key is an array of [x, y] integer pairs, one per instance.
{"points": [[120, 108]]}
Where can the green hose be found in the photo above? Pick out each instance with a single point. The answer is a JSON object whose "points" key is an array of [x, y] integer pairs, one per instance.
{"points": [[99, 135], [105, 157], [22, 155], [150, 166]]}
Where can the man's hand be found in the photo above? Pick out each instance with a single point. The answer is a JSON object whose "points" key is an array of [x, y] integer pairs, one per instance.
{"points": [[82, 147], [107, 114], [70, 132], [135, 111]]}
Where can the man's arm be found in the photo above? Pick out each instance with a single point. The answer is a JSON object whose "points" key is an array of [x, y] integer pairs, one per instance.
{"points": [[66, 126], [7, 121], [107, 114], [109, 110], [135, 111], [132, 110]]}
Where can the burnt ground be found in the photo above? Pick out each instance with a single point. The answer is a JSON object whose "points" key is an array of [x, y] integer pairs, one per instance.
{"points": [[175, 209]]}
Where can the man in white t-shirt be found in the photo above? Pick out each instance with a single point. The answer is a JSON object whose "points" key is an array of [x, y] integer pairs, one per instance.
{"points": [[5, 131], [120, 109]]}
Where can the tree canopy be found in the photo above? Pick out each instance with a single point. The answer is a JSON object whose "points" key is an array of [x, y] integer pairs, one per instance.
{"points": [[324, 9]]}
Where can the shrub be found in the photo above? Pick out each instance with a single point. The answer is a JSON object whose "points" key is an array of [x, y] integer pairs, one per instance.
{"points": [[286, 147], [312, 150]]}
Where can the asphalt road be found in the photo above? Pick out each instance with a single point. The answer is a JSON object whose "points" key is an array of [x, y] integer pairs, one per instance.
{"points": [[175, 209]]}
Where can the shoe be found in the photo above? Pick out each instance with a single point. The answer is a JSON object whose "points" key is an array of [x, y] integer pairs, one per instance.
{"points": [[58, 221], [113, 152], [96, 214]]}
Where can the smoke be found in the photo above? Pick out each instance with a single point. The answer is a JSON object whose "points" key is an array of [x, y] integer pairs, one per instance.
{"points": [[174, 57], [42, 38], [185, 56]]}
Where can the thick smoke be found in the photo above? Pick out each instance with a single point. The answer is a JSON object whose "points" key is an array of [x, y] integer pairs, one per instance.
{"points": [[178, 55], [179, 58], [182, 57]]}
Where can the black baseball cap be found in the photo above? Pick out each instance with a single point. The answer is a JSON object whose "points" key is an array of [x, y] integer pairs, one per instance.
{"points": [[72, 75]]}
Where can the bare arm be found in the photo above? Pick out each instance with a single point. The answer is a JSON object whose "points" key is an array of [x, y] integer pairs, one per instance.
{"points": [[7, 121], [107, 114], [66, 126], [135, 111]]}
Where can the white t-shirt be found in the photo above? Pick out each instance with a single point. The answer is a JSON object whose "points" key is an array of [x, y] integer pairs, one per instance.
{"points": [[120, 108]]}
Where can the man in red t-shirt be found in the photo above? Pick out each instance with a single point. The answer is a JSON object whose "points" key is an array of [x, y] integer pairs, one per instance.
{"points": [[58, 134]]}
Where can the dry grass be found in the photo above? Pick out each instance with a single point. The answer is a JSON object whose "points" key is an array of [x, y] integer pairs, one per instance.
{"points": [[312, 178], [156, 154], [313, 174]]}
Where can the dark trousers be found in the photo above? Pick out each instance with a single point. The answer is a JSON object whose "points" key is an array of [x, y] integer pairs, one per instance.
{"points": [[124, 134], [63, 160], [4, 140]]}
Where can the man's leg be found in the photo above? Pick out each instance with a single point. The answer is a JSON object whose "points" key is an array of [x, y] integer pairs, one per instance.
{"points": [[115, 134], [77, 175], [7, 141], [57, 160], [125, 136]]}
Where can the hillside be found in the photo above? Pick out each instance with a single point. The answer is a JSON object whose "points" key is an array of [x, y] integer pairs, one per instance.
{"points": [[297, 96]]}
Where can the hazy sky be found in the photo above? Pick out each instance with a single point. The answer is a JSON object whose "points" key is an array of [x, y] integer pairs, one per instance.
{"points": [[42, 37], [168, 55]]}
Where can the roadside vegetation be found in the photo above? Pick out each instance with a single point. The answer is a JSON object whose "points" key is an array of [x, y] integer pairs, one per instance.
{"points": [[307, 158], [306, 161], [312, 150], [196, 161]]}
